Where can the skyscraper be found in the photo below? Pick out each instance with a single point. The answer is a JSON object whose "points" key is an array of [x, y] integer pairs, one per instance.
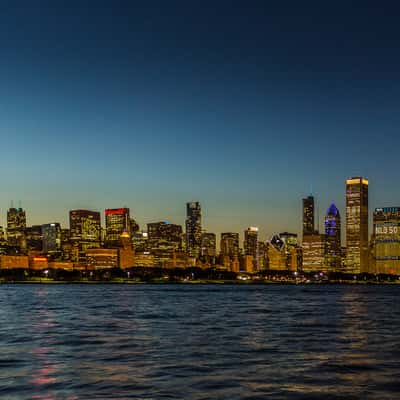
{"points": [[332, 239], [387, 240], [193, 229], [208, 245], [314, 253], [34, 238], [229, 244], [117, 221], [16, 225], [85, 229], [357, 225], [308, 216], [51, 237], [250, 244]]}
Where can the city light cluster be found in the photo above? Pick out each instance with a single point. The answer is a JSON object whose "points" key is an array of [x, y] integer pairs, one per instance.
{"points": [[122, 244]]}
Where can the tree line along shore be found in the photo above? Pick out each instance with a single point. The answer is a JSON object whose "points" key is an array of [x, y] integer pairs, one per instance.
{"points": [[184, 275]]}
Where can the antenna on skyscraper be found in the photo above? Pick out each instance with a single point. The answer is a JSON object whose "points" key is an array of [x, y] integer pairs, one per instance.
{"points": [[12, 203], [19, 204]]}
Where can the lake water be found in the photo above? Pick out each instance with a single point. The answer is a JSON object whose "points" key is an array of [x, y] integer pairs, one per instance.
{"points": [[199, 342]]}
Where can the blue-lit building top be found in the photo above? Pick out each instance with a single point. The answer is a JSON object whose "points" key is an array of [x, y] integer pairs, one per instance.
{"points": [[332, 238]]}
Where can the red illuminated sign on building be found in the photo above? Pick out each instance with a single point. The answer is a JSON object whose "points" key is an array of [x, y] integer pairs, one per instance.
{"points": [[116, 211]]}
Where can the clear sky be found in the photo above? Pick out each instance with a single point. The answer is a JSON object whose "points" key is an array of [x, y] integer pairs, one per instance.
{"points": [[241, 105]]}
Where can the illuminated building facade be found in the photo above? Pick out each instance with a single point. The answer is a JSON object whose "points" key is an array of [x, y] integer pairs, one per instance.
{"points": [[208, 245], [291, 250], [276, 254], [16, 225], [386, 234], [308, 216], [102, 258], [117, 221], [333, 249], [314, 253], [126, 252], [140, 242], [250, 244], [193, 229], [357, 225], [85, 231], [34, 238], [51, 237], [164, 239], [229, 244]]}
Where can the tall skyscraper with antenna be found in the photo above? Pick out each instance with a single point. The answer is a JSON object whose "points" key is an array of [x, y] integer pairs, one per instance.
{"points": [[16, 226]]}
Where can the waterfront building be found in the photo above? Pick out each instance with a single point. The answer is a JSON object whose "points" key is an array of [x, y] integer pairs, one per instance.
{"points": [[248, 264], [333, 259], [193, 229], [84, 232], [262, 255], [386, 237], [164, 239], [314, 253], [117, 221], [65, 265], [145, 260], [291, 250], [276, 254], [357, 225], [13, 262], [208, 247], [34, 238], [308, 216], [16, 225], [38, 262], [51, 237], [250, 244], [97, 258], [126, 252], [229, 244], [140, 242]]}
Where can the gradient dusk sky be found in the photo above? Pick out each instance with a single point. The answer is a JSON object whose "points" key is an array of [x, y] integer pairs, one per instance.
{"points": [[241, 105]]}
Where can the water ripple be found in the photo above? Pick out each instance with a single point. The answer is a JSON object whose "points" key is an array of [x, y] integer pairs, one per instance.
{"points": [[199, 342]]}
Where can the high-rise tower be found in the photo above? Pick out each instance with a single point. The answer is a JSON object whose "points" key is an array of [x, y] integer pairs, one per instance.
{"points": [[250, 244], [16, 225], [332, 239], [308, 216], [193, 228], [117, 222], [357, 225]]}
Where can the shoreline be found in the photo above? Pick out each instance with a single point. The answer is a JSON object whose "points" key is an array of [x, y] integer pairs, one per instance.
{"points": [[200, 282]]}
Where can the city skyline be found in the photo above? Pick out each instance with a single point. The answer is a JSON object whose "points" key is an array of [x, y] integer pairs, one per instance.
{"points": [[286, 225], [238, 108]]}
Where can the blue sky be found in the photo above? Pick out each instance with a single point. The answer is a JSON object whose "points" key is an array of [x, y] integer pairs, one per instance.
{"points": [[241, 107]]}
